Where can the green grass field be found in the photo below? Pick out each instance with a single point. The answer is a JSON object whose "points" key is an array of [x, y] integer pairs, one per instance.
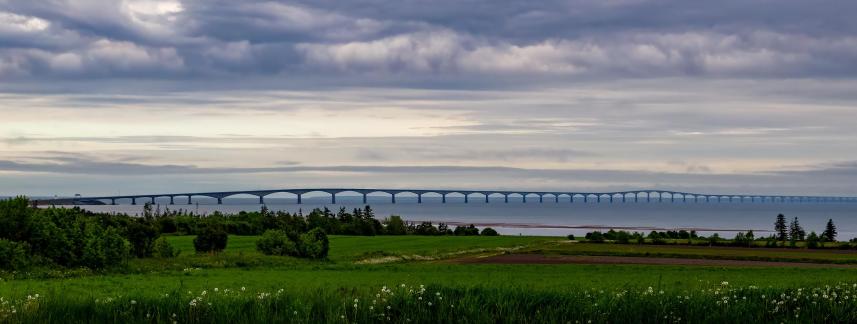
{"points": [[323, 291]]}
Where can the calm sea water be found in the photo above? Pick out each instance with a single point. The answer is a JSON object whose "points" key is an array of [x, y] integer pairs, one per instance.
{"points": [[550, 218]]}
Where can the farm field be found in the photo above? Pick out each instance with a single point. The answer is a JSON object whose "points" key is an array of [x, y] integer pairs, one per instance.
{"points": [[243, 285], [559, 247]]}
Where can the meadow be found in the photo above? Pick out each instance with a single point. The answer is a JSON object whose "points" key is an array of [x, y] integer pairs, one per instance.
{"points": [[418, 279]]}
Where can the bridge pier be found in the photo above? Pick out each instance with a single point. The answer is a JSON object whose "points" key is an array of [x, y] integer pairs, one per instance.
{"points": [[188, 199], [133, 201], [486, 198], [299, 199], [364, 198], [333, 198], [466, 198], [219, 201], [443, 198], [393, 198], [419, 198], [556, 198], [506, 198], [113, 201], [541, 199], [261, 200], [153, 200], [172, 200]]}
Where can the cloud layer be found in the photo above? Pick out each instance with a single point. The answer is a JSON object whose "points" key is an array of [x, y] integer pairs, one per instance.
{"points": [[748, 96]]}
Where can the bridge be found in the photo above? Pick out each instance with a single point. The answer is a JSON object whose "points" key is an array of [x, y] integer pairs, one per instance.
{"points": [[556, 196]]}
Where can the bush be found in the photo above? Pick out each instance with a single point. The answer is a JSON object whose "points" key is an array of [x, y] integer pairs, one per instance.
{"points": [[466, 231], [163, 249], [142, 235], [104, 248], [212, 238], [812, 240], [571, 237], [314, 244], [489, 232], [595, 237], [395, 226], [276, 242], [13, 255]]}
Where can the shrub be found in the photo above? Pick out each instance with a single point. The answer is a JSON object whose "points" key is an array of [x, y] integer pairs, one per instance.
{"points": [[812, 240], [13, 255], [163, 249], [142, 235], [314, 244], [212, 238], [276, 242], [466, 231], [104, 248], [489, 232], [395, 226], [595, 237], [622, 237], [571, 237]]}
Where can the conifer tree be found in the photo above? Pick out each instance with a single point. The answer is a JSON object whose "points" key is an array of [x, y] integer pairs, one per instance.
{"points": [[780, 227], [829, 233]]}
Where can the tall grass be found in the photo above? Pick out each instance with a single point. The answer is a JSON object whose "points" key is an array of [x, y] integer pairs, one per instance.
{"points": [[439, 304]]}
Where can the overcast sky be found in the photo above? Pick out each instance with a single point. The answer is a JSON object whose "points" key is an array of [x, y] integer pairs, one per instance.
{"points": [[139, 96]]}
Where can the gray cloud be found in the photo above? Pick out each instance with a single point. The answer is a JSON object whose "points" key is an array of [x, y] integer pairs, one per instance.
{"points": [[641, 39]]}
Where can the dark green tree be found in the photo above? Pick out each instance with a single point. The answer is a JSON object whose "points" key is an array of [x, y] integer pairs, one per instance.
{"points": [[829, 233], [796, 232], [780, 227]]}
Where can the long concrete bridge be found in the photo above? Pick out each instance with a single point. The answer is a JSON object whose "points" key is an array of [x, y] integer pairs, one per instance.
{"points": [[555, 196]]}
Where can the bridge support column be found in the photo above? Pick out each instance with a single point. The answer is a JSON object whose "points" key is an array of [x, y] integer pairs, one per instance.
{"points": [[466, 198], [623, 198], [172, 200], [556, 198], [188, 200], [133, 201], [261, 200], [299, 199], [113, 201], [419, 198], [648, 197], [585, 199], [598, 199], [393, 198], [506, 198], [333, 198], [219, 201], [153, 200], [364, 199], [541, 199], [611, 199], [524, 198], [486, 198]]}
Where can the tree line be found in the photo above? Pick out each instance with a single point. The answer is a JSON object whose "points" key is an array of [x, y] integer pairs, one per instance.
{"points": [[73, 237], [786, 234]]}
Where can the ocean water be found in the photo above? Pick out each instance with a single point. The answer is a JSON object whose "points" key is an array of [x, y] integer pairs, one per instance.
{"points": [[549, 217]]}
